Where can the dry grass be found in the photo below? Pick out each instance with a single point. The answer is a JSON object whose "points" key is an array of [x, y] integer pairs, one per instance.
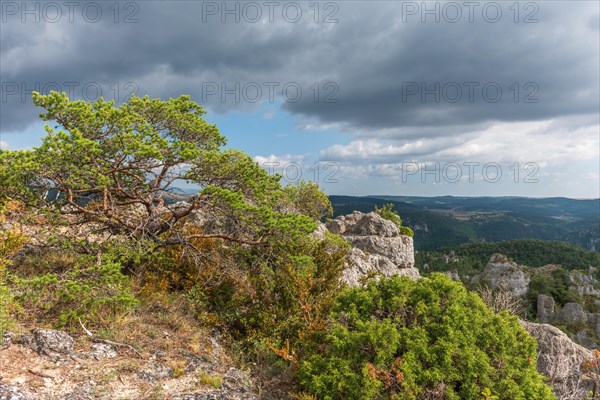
{"points": [[162, 329]]}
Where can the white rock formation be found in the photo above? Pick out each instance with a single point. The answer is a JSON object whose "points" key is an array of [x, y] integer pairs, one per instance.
{"points": [[500, 271], [378, 247], [561, 360]]}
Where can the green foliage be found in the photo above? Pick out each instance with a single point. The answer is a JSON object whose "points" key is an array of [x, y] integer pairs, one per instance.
{"points": [[554, 284], [533, 253], [429, 339], [114, 166], [281, 296], [387, 212], [10, 243], [405, 230], [65, 287], [210, 380], [306, 198]]}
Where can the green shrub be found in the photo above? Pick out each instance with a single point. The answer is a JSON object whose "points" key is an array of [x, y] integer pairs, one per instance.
{"points": [[387, 212], [10, 243], [281, 297], [554, 284], [429, 339], [77, 288], [405, 230]]}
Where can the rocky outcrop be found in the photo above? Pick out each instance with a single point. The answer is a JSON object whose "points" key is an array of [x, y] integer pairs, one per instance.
{"points": [[584, 284], [561, 360], [585, 326], [572, 314], [49, 342], [361, 224], [500, 271], [378, 247], [84, 370], [545, 308]]}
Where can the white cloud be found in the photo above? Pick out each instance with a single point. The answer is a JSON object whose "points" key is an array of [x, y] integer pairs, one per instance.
{"points": [[552, 142], [278, 160], [3, 145]]}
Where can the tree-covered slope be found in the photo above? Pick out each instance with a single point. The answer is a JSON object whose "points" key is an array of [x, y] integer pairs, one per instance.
{"points": [[448, 221], [471, 258]]}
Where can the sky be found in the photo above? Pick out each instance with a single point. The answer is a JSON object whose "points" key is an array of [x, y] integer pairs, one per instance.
{"points": [[466, 98]]}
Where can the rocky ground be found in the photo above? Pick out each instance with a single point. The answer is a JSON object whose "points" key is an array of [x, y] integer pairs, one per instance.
{"points": [[50, 364]]}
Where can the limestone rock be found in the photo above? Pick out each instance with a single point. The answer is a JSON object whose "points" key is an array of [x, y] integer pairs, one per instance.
{"points": [[101, 350], [399, 250], [50, 343], [452, 275], [361, 224], [545, 308], [583, 284], [559, 358], [155, 372], [319, 233], [378, 247], [571, 313], [361, 264], [499, 271], [7, 340]]}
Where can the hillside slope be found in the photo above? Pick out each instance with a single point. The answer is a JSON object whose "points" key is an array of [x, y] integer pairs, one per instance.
{"points": [[448, 221]]}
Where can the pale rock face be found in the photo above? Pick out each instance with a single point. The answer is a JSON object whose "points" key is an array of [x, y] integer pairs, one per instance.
{"points": [[559, 358], [399, 250], [545, 308], [319, 233], [572, 313], [378, 247], [583, 283], [499, 271], [452, 275], [361, 224]]}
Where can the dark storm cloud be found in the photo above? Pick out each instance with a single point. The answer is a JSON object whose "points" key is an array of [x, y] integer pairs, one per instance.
{"points": [[374, 59], [554, 64]]}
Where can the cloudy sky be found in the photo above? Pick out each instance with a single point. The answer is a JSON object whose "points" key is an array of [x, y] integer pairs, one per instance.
{"points": [[366, 97]]}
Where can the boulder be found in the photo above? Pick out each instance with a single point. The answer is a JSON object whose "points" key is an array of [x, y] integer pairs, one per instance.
{"points": [[584, 284], [500, 271], [7, 340], [49, 342], [361, 224], [399, 249], [571, 314], [545, 308], [101, 350], [361, 265], [378, 247], [452, 275], [560, 359], [319, 233], [155, 372]]}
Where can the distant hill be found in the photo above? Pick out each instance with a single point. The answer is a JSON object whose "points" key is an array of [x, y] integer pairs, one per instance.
{"points": [[471, 258], [448, 221]]}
